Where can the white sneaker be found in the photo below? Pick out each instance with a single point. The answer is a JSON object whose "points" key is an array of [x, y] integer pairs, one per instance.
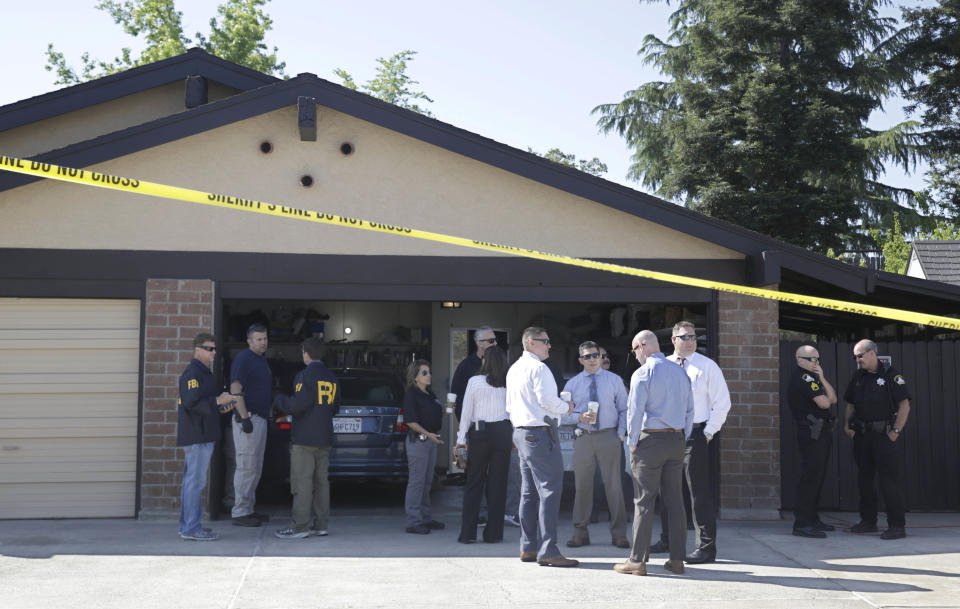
{"points": [[511, 520], [290, 533], [318, 532]]}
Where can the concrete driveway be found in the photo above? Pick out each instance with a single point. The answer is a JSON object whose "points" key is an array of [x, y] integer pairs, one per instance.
{"points": [[368, 561]]}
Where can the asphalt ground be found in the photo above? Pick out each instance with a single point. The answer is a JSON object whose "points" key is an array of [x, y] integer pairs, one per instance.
{"points": [[369, 561]]}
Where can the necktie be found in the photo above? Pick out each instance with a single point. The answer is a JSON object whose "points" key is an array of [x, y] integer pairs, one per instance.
{"points": [[681, 360], [593, 396]]}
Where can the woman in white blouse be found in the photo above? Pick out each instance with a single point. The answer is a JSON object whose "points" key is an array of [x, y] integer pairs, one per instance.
{"points": [[486, 431]]}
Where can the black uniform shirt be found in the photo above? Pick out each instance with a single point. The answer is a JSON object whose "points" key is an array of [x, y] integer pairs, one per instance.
{"points": [[875, 395], [423, 409], [804, 386], [197, 418], [467, 369]]}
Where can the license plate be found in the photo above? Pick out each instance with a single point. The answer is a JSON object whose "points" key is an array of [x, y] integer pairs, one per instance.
{"points": [[347, 425]]}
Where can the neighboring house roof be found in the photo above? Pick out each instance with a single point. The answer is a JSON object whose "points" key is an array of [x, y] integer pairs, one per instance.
{"points": [[803, 271], [938, 260]]}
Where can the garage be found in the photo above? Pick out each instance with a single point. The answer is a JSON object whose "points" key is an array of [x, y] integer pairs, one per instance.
{"points": [[69, 377], [384, 336]]}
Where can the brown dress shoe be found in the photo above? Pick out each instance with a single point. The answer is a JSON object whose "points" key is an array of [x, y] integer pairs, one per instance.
{"points": [[528, 557], [628, 567], [674, 566], [558, 561], [620, 542], [576, 542]]}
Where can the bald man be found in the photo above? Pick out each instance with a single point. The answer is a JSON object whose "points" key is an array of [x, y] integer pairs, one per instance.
{"points": [[659, 421], [810, 397]]}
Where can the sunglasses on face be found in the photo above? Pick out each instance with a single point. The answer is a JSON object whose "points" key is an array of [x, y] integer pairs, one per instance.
{"points": [[686, 337], [811, 359], [545, 341], [590, 356], [208, 348], [487, 340]]}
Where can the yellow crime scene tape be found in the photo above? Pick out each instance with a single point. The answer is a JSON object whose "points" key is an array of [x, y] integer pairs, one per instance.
{"points": [[93, 178]]}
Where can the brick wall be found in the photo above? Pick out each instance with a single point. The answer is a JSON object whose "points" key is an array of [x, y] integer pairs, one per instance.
{"points": [[750, 446], [176, 310]]}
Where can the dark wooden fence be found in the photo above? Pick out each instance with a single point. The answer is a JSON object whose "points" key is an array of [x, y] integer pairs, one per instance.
{"points": [[929, 447]]}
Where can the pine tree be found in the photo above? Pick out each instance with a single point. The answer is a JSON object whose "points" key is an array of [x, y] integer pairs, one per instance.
{"points": [[763, 119]]}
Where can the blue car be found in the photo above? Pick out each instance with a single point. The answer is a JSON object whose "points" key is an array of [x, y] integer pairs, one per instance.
{"points": [[369, 432]]}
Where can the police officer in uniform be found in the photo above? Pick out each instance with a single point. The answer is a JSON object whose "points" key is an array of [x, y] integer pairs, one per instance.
{"points": [[810, 397], [878, 403]]}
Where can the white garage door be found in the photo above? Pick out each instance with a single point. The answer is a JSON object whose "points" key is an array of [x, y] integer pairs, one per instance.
{"points": [[68, 407]]}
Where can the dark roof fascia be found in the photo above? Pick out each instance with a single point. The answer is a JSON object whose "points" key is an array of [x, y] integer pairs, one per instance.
{"points": [[161, 131], [362, 106], [128, 82]]}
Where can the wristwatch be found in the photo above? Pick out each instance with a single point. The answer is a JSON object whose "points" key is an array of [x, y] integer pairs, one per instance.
{"points": [[896, 430]]}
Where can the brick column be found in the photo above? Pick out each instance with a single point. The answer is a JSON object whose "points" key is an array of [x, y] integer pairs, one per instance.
{"points": [[176, 310], [750, 447]]}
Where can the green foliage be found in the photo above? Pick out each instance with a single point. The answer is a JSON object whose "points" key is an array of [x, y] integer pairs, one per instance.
{"points": [[894, 247], [762, 120], [391, 84], [237, 36], [934, 50], [594, 166]]}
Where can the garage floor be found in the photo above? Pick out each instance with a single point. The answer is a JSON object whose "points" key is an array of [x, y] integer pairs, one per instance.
{"points": [[368, 561]]}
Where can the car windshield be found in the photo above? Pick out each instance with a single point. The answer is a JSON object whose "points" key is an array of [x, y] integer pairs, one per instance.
{"points": [[370, 389]]}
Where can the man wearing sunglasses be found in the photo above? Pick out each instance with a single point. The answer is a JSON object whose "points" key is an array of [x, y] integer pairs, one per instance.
{"points": [[198, 428], [597, 444], [810, 397], [533, 404], [484, 337], [711, 401], [878, 403]]}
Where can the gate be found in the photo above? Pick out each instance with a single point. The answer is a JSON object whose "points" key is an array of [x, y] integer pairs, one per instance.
{"points": [[929, 447]]}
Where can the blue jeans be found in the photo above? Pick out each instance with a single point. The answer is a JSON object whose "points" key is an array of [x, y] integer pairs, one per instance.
{"points": [[196, 461]]}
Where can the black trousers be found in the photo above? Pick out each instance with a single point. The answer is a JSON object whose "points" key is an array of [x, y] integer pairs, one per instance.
{"points": [[814, 456], [488, 464], [696, 471], [876, 455]]}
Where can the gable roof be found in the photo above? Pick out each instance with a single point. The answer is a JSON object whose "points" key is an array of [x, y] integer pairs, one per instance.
{"points": [[940, 260], [69, 99], [806, 272]]}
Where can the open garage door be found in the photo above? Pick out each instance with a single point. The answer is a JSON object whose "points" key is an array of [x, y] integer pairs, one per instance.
{"points": [[68, 407]]}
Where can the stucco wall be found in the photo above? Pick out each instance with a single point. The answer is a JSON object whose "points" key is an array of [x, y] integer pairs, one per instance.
{"points": [[389, 178]]}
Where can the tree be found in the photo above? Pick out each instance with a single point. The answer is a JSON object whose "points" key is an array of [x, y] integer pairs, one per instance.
{"points": [[934, 50], [594, 166], [236, 35], [391, 84], [763, 120], [893, 246]]}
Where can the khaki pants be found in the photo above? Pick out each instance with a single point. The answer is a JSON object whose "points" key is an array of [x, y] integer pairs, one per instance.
{"points": [[590, 451], [310, 486], [249, 450]]}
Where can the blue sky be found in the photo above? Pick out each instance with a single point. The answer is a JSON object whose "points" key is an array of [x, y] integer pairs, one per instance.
{"points": [[523, 73]]}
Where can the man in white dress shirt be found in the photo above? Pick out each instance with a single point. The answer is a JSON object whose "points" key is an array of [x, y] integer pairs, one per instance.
{"points": [[711, 402], [598, 444], [533, 405]]}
